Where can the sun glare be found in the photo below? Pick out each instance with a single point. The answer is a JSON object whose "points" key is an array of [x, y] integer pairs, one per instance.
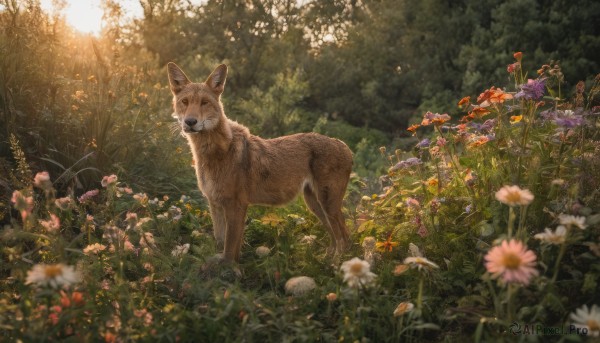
{"points": [[83, 15]]}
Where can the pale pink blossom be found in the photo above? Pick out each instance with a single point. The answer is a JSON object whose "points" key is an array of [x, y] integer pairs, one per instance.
{"points": [[513, 196], [109, 180], [94, 249], [63, 203], [42, 180], [512, 262], [51, 225], [88, 195], [22, 203]]}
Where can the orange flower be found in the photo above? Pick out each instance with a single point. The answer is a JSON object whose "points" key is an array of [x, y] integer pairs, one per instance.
{"points": [[434, 118], [478, 141], [493, 95], [500, 96], [413, 128], [461, 128], [400, 269], [478, 112], [515, 119], [485, 95], [469, 178], [387, 245], [464, 101], [518, 56], [432, 182], [77, 298]]}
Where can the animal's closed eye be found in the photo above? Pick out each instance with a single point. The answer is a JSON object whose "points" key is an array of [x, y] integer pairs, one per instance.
{"points": [[184, 101], [203, 102]]}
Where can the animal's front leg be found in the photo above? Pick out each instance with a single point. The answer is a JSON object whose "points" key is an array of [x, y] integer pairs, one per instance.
{"points": [[235, 214], [217, 214]]}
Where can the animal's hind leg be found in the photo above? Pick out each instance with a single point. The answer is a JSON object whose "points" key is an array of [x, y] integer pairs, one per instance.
{"points": [[331, 197], [313, 204]]}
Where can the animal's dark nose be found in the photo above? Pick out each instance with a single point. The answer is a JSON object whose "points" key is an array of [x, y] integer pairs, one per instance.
{"points": [[190, 121]]}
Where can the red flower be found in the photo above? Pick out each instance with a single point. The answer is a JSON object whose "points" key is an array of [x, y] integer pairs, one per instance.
{"points": [[518, 56], [513, 67]]}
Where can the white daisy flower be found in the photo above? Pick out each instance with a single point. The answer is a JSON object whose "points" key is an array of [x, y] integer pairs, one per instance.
{"points": [[357, 273], [557, 237], [587, 318], [417, 260], [570, 221], [420, 263], [53, 275]]}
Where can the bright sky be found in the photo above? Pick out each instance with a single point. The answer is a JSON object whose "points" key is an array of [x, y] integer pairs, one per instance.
{"points": [[86, 15]]}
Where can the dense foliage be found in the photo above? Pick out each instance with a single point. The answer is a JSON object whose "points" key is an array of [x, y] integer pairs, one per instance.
{"points": [[481, 223]]}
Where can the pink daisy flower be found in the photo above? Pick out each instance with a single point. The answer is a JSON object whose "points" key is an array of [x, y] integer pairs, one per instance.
{"points": [[512, 262]]}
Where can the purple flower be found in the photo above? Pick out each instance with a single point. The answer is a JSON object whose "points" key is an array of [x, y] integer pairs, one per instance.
{"points": [[488, 125], [532, 90], [469, 208], [413, 161], [424, 143], [549, 115], [568, 119]]}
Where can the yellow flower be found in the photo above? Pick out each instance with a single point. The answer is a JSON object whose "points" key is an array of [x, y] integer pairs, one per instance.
{"points": [[271, 219]]}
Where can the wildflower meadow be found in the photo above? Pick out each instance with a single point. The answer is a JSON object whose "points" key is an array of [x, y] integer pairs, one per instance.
{"points": [[482, 224]]}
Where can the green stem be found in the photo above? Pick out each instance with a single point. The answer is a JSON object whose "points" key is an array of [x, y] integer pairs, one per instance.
{"points": [[561, 253], [420, 294], [455, 168], [497, 306], [511, 221], [509, 302], [520, 233], [560, 152], [525, 134]]}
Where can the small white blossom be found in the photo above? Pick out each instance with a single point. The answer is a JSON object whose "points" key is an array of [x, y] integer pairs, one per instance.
{"points": [[263, 251], [180, 250], [300, 285]]}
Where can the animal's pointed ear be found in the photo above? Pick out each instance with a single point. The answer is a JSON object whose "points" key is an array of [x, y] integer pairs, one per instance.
{"points": [[177, 78], [216, 80]]}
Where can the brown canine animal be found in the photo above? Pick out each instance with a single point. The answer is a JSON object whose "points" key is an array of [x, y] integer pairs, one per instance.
{"points": [[235, 168]]}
